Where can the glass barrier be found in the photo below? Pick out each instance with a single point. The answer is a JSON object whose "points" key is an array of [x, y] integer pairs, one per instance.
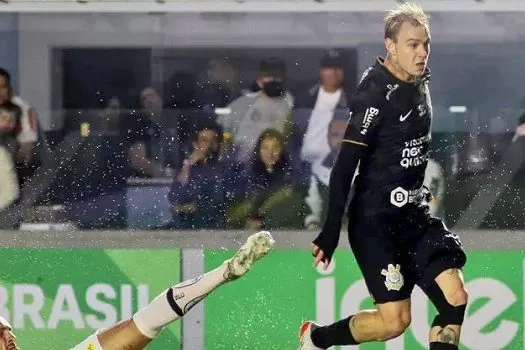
{"points": [[219, 136]]}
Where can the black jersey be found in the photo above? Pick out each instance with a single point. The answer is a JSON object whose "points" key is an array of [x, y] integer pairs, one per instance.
{"points": [[388, 135], [391, 119]]}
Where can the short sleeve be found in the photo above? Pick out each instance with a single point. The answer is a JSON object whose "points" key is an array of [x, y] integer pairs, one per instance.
{"points": [[362, 125]]}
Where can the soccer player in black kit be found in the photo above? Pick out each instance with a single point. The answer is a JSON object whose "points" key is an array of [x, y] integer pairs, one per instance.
{"points": [[396, 243]]}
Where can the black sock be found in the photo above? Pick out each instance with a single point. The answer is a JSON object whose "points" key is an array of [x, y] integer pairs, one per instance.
{"points": [[442, 346], [335, 334]]}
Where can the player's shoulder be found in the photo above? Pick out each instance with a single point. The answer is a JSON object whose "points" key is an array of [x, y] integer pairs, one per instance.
{"points": [[372, 90]]}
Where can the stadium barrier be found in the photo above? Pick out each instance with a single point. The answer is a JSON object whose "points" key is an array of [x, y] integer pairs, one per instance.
{"points": [[57, 287], [55, 298]]}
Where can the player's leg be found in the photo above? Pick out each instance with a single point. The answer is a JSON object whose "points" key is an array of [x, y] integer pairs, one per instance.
{"points": [[176, 301], [450, 298], [388, 321], [443, 283], [389, 283]]}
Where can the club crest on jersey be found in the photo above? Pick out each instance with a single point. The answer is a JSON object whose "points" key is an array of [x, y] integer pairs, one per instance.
{"points": [[370, 113], [391, 88], [393, 278]]}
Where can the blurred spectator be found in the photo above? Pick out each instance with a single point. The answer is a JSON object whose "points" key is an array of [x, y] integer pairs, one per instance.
{"points": [[152, 137], [435, 182], [272, 200], [9, 189], [321, 170], [205, 184], [315, 109], [111, 115], [506, 177], [222, 86], [520, 129], [508, 211], [255, 112], [26, 128], [97, 199]]}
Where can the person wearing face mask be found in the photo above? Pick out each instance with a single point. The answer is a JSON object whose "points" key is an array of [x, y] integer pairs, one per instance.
{"points": [[251, 114]]}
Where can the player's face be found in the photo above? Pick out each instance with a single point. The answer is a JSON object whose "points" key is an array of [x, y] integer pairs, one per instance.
{"points": [[411, 49], [270, 151], [7, 340]]}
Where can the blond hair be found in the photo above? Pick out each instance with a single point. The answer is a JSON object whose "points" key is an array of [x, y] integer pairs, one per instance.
{"points": [[406, 12]]}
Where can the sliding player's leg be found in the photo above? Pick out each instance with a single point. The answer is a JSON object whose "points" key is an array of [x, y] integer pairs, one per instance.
{"points": [[175, 302]]}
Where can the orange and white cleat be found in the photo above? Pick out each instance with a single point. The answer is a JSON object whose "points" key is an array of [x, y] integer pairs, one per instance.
{"points": [[305, 336]]}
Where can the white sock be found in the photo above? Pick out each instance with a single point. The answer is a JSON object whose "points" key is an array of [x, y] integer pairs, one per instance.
{"points": [[176, 301]]}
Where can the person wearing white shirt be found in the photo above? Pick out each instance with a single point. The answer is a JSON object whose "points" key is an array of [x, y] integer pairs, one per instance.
{"points": [[329, 97], [27, 128], [9, 189], [321, 170]]}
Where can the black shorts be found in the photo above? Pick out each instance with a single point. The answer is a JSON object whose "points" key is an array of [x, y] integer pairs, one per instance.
{"points": [[397, 252]]}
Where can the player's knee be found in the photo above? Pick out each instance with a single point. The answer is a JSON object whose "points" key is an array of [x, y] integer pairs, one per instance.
{"points": [[457, 297], [395, 325], [453, 313]]}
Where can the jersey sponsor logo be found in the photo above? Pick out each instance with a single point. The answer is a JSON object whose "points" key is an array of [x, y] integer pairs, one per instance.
{"points": [[402, 117], [414, 153], [393, 278], [391, 88], [370, 113], [399, 197], [179, 296]]}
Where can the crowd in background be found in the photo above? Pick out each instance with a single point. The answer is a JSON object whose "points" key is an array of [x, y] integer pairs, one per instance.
{"points": [[253, 158]]}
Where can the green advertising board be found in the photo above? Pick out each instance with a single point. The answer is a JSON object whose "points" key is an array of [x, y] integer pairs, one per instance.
{"points": [[264, 309], [55, 298]]}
